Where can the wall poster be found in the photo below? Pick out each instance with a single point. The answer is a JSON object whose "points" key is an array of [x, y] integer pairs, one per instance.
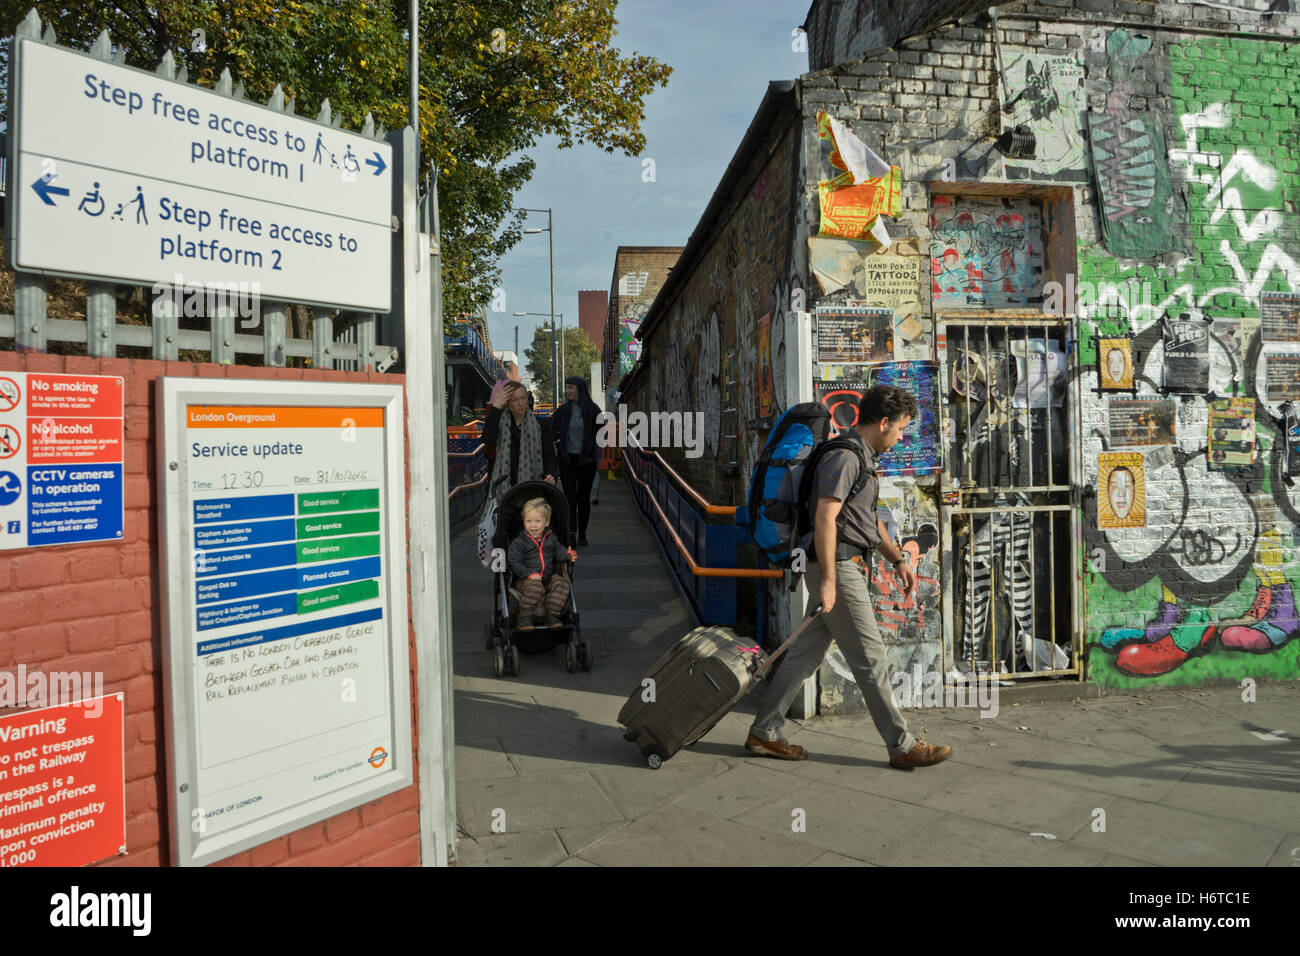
{"points": [[1232, 434], [1121, 491]]}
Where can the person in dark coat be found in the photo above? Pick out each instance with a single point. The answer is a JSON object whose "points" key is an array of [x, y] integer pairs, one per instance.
{"points": [[525, 451], [574, 426]]}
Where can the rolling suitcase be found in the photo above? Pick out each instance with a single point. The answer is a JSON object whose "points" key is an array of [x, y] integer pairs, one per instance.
{"points": [[693, 686]]}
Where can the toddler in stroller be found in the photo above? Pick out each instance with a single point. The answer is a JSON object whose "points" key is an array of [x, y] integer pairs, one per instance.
{"points": [[534, 557], [534, 574]]}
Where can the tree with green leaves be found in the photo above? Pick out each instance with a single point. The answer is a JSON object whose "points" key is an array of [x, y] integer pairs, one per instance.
{"points": [[495, 76], [579, 353]]}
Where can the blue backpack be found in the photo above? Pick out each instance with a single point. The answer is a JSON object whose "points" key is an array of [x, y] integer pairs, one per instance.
{"points": [[779, 514]]}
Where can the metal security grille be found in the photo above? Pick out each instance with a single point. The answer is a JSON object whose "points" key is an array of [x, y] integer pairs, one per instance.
{"points": [[1010, 512]]}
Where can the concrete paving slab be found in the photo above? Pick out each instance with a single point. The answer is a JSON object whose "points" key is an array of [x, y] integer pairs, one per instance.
{"points": [[1167, 836], [480, 758], [1091, 768], [1250, 799], [863, 767], [588, 698], [860, 825], [565, 751], [578, 839], [1288, 854], [1238, 750], [575, 861], [636, 790], [532, 848], [479, 714], [1110, 859], [732, 794], [959, 841], [533, 803], [1015, 801], [679, 836], [834, 859]]}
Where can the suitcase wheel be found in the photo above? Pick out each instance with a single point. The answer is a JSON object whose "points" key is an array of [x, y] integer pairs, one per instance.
{"points": [[655, 758]]}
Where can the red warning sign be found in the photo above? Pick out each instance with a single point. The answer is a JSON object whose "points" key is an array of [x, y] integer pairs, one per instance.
{"points": [[62, 784], [74, 440], [89, 396]]}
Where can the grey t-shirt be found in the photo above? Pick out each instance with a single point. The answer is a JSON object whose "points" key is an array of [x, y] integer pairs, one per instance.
{"points": [[573, 443], [836, 472]]}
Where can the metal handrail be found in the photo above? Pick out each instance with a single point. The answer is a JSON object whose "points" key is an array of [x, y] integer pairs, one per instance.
{"points": [[473, 484], [464, 454], [696, 569], [699, 499]]}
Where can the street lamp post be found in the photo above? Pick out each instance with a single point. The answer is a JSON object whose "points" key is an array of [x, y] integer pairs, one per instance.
{"points": [[555, 349], [556, 370]]}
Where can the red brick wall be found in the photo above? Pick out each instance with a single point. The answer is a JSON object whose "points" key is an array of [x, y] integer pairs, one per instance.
{"points": [[95, 607]]}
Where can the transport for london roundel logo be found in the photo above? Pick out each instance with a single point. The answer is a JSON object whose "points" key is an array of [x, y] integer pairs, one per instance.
{"points": [[377, 757]]}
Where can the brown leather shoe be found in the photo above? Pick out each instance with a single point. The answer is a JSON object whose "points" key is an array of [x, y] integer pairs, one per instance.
{"points": [[781, 749], [921, 755]]}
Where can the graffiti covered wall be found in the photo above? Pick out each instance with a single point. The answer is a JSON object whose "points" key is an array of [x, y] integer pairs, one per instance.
{"points": [[745, 272], [1206, 588]]}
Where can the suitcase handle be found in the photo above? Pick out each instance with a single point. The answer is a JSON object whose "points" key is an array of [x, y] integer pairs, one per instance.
{"points": [[785, 645]]}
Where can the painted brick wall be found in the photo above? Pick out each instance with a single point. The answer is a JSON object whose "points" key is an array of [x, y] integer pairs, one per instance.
{"points": [[95, 607], [639, 274], [711, 329]]}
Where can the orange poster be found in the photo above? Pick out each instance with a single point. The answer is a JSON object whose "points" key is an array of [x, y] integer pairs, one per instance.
{"points": [[1121, 490], [850, 207], [850, 211]]}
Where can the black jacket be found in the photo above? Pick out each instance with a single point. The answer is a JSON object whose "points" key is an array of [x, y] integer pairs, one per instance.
{"points": [[492, 433], [560, 428], [528, 556]]}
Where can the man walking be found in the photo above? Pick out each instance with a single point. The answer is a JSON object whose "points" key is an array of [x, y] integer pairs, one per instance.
{"points": [[846, 529]]}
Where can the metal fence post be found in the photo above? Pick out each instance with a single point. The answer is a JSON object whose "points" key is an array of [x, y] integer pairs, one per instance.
{"points": [[274, 319], [101, 320], [222, 351], [29, 311], [365, 329], [322, 337], [164, 329]]}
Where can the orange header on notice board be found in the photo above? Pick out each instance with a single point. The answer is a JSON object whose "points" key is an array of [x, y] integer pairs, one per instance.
{"points": [[256, 416]]}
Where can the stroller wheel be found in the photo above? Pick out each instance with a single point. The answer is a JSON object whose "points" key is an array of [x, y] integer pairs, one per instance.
{"points": [[587, 656], [498, 662], [570, 658], [514, 659], [489, 638]]}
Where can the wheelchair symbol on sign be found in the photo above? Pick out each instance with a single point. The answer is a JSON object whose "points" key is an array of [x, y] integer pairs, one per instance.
{"points": [[10, 488], [10, 442]]}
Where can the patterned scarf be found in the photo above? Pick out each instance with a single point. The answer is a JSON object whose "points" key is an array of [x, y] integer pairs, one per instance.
{"points": [[531, 464]]}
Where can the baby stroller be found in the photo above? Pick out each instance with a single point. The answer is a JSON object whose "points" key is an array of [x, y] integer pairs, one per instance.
{"points": [[502, 638]]}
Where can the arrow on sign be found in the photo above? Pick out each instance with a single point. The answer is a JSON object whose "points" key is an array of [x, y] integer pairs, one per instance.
{"points": [[45, 190], [378, 163]]}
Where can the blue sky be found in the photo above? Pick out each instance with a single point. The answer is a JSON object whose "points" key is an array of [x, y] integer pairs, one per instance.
{"points": [[723, 54]]}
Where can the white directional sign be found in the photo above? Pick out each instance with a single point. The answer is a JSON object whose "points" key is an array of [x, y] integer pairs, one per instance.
{"points": [[123, 175]]}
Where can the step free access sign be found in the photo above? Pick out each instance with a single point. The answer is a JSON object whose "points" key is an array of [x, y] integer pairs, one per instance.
{"points": [[61, 443], [121, 175]]}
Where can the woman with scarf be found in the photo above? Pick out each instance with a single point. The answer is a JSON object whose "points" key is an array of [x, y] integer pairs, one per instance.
{"points": [[575, 434], [525, 451]]}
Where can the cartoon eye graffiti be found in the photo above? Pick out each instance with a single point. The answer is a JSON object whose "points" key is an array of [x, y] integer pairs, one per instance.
{"points": [[1144, 220]]}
